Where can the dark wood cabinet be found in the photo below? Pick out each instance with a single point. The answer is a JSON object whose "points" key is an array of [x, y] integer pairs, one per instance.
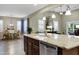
{"points": [[35, 47], [25, 44], [31, 46]]}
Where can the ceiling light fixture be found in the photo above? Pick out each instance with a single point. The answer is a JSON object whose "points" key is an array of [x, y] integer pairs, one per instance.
{"points": [[61, 13], [44, 18], [61, 10], [68, 12], [53, 15]]}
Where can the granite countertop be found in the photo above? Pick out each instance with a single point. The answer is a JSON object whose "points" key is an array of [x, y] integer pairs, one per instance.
{"points": [[62, 41]]}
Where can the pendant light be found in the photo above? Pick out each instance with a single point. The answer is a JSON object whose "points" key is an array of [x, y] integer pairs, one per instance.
{"points": [[68, 12], [53, 15], [44, 18], [61, 13]]}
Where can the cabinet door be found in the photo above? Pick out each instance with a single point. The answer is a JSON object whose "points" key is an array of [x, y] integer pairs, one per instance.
{"points": [[35, 50], [35, 47], [29, 46], [25, 44]]}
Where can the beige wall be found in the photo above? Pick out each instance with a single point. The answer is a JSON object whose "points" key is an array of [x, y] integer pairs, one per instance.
{"points": [[58, 18], [73, 17], [8, 20], [39, 15], [63, 19], [34, 21]]}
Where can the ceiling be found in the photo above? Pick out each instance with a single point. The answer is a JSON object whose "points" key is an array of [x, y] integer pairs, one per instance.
{"points": [[64, 7], [19, 10], [22, 10]]}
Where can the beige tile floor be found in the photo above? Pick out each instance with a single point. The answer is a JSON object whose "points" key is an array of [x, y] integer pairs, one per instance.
{"points": [[12, 47]]}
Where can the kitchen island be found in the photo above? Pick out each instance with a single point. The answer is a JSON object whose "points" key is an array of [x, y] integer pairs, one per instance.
{"points": [[51, 44]]}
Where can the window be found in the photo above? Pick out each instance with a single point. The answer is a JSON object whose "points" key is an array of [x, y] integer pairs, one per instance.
{"points": [[41, 25], [19, 25], [77, 26], [55, 25], [1, 25], [25, 26], [22, 26]]}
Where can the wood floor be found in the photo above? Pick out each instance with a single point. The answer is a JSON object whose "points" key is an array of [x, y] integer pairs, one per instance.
{"points": [[16, 47], [12, 47]]}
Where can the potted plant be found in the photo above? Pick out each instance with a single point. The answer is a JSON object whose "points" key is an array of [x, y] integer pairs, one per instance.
{"points": [[29, 30]]}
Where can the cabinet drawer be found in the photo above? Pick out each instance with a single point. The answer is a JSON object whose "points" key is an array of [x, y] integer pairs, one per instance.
{"points": [[35, 50]]}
